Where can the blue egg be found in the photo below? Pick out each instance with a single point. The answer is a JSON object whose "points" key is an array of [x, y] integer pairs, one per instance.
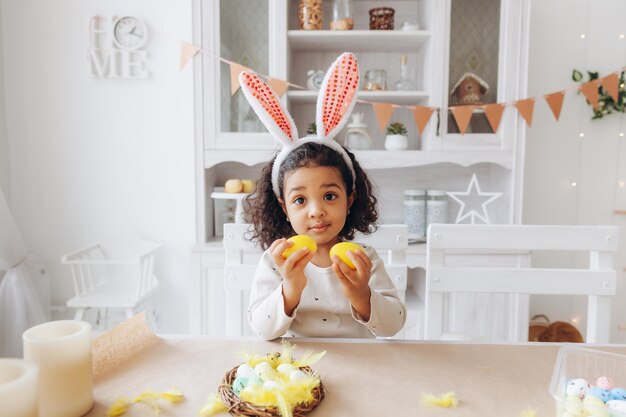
{"points": [[601, 393], [239, 384], [618, 394]]}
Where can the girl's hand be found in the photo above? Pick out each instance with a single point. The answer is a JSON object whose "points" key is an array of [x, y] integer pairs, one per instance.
{"points": [[291, 270], [355, 282]]}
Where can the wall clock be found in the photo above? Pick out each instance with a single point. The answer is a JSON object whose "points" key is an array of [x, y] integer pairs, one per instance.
{"points": [[129, 33]]}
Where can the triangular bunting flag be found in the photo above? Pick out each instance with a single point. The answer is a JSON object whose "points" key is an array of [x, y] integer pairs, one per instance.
{"points": [[383, 112], [422, 117], [462, 115], [525, 108], [279, 86], [590, 90], [611, 85], [235, 70], [555, 101], [187, 51], [494, 115]]}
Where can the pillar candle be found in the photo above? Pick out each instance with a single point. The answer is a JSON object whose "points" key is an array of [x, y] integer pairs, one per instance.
{"points": [[62, 351], [18, 388]]}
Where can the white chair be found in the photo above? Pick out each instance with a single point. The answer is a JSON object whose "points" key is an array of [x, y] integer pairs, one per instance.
{"points": [[444, 278], [113, 276], [242, 255]]}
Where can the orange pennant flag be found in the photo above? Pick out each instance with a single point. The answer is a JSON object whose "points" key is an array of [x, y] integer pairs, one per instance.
{"points": [[235, 70], [422, 117], [494, 115], [462, 115], [279, 86], [383, 112], [187, 51], [555, 101], [611, 85], [590, 90], [525, 108]]}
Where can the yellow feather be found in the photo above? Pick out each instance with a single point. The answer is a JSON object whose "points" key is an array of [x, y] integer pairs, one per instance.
{"points": [[283, 407], [174, 395], [309, 358], [212, 407], [286, 355], [529, 412], [118, 408], [447, 400]]}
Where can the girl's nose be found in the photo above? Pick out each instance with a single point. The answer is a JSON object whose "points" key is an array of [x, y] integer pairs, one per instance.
{"points": [[316, 209]]}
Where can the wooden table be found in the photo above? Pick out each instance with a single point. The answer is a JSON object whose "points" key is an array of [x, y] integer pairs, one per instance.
{"points": [[363, 378]]}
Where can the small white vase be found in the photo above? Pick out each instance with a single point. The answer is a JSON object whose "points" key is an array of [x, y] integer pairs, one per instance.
{"points": [[396, 142]]}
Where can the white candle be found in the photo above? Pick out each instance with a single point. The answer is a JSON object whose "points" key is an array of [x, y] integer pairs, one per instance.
{"points": [[18, 388], [62, 350]]}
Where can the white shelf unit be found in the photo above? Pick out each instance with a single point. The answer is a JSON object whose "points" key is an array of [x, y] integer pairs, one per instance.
{"points": [[436, 159]]}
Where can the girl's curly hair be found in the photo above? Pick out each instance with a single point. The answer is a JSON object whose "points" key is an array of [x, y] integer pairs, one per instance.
{"points": [[263, 210]]}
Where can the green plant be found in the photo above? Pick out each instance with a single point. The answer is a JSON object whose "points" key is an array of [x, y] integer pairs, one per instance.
{"points": [[396, 128], [606, 104], [311, 129]]}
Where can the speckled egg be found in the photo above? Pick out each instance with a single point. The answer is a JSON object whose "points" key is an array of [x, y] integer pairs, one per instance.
{"points": [[245, 370], [577, 387], [618, 394], [574, 405], [263, 367], [286, 368], [601, 393], [239, 384], [296, 376], [270, 385], [596, 407], [605, 382], [618, 406]]}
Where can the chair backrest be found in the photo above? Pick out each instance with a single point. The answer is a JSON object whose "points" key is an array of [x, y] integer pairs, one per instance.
{"points": [[467, 242], [127, 264], [242, 255]]}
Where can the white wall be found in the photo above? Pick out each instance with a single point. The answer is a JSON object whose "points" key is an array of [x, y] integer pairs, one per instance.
{"points": [[555, 154], [94, 158], [4, 140]]}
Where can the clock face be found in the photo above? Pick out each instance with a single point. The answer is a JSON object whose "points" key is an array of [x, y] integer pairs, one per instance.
{"points": [[129, 33]]}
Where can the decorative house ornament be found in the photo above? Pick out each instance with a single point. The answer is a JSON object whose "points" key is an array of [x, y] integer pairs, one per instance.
{"points": [[469, 89], [116, 47], [467, 200]]}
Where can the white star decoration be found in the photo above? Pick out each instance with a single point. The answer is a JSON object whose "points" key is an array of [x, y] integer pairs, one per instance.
{"points": [[474, 193]]}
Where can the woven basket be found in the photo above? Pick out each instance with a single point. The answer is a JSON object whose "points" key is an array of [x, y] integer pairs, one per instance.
{"points": [[381, 18], [238, 407]]}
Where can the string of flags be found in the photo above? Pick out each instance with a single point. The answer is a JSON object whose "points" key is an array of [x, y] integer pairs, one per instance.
{"points": [[422, 114]]}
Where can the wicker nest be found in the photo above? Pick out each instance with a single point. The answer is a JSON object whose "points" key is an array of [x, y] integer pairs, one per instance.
{"points": [[238, 407]]}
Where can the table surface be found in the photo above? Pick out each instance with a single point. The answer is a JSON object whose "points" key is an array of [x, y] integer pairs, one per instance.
{"points": [[362, 378]]}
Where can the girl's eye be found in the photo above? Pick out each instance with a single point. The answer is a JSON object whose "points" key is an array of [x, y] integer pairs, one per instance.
{"points": [[299, 200], [330, 197]]}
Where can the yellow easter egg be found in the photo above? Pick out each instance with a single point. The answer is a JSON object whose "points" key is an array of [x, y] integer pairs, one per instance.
{"points": [[299, 242], [341, 250]]}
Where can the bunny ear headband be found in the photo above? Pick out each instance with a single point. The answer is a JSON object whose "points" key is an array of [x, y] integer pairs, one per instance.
{"points": [[334, 104]]}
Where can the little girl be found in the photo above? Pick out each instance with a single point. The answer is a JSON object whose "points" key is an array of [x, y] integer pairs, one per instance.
{"points": [[316, 187]]}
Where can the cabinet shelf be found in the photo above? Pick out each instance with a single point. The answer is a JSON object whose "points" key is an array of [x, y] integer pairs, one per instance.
{"points": [[395, 97], [357, 40], [376, 159]]}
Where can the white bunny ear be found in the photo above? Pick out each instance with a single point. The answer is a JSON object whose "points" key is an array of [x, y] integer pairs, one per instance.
{"points": [[337, 96], [266, 105]]}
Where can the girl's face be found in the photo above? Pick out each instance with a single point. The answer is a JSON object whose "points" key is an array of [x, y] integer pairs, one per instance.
{"points": [[316, 202]]}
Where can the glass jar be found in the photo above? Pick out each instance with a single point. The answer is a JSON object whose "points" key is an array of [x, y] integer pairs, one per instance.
{"points": [[375, 80], [310, 14], [343, 12], [357, 136], [415, 214], [436, 207]]}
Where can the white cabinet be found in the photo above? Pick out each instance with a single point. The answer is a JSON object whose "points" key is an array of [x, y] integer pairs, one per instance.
{"points": [[487, 37]]}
